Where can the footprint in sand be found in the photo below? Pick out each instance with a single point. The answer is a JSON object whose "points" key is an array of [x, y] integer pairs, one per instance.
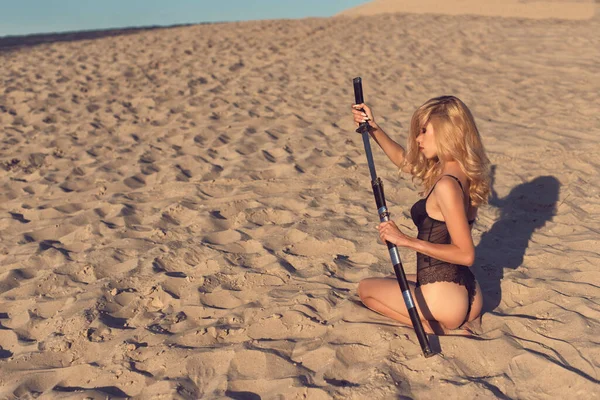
{"points": [[14, 278], [243, 247], [222, 299], [259, 364], [135, 182], [209, 373], [290, 325], [312, 247], [223, 237], [271, 216]]}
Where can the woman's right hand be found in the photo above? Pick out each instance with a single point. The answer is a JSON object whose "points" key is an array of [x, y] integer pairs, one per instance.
{"points": [[366, 115]]}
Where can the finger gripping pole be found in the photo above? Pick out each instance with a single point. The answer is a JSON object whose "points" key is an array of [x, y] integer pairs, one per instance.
{"points": [[384, 216]]}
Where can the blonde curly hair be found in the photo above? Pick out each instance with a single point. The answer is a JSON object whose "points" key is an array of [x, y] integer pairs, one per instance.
{"points": [[457, 138]]}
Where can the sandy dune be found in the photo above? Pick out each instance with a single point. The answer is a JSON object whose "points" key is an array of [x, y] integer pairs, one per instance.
{"points": [[555, 9], [185, 213]]}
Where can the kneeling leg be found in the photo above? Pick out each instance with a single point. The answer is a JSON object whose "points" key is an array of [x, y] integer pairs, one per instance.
{"points": [[383, 296]]}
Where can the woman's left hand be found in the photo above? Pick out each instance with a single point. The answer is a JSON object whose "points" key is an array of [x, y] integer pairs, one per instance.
{"points": [[388, 231]]}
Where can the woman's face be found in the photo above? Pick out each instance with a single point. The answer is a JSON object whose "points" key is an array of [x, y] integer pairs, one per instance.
{"points": [[426, 141]]}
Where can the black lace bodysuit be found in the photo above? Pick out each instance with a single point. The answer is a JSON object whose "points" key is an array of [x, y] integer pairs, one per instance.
{"points": [[430, 270]]}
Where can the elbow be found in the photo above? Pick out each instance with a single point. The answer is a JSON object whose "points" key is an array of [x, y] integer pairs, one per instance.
{"points": [[469, 258]]}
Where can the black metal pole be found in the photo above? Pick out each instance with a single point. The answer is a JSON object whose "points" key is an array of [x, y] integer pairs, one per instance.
{"points": [[384, 216]]}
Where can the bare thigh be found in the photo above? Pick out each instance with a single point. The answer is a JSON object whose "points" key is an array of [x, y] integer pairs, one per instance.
{"points": [[440, 303], [383, 295]]}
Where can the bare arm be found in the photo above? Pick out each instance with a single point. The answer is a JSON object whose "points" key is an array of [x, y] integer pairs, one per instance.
{"points": [[391, 148], [450, 253], [450, 200]]}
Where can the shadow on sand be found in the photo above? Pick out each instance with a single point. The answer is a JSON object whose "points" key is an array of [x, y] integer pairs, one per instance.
{"points": [[525, 209]]}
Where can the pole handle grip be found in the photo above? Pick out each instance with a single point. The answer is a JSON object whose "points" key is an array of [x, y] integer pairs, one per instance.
{"points": [[358, 92], [359, 99]]}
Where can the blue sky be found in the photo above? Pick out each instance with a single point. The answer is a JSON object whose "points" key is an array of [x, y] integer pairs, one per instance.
{"points": [[21, 17]]}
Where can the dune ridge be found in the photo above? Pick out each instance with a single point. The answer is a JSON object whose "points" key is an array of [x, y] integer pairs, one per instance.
{"points": [[529, 9]]}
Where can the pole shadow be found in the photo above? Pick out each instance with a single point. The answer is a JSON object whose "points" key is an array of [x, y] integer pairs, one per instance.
{"points": [[525, 209]]}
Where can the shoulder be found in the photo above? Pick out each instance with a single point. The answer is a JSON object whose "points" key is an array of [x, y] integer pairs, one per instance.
{"points": [[448, 191], [447, 185], [450, 198]]}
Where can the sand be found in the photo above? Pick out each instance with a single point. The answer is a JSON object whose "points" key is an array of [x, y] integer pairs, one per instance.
{"points": [[531, 9], [186, 212]]}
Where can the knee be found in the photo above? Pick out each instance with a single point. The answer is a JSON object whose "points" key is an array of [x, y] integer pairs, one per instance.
{"points": [[362, 290], [365, 293]]}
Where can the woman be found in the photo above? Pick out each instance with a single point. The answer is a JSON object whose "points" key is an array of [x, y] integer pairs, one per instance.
{"points": [[446, 155]]}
